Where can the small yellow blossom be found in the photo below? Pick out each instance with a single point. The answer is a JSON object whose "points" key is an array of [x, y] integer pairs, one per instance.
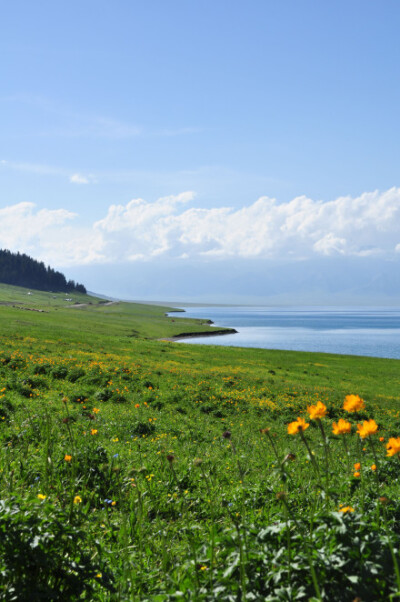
{"points": [[353, 403], [93, 432], [373, 467], [77, 499], [299, 425], [367, 428], [341, 427], [67, 458], [41, 496], [393, 446], [346, 509], [317, 411]]}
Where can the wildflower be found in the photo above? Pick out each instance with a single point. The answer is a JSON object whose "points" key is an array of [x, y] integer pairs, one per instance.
{"points": [[373, 467], [41, 496], [67, 458], [299, 425], [393, 446], [99, 576], [77, 499], [341, 427], [93, 432], [353, 403], [346, 509], [357, 466], [381, 439], [137, 405], [356, 475], [317, 411], [95, 410], [367, 428]]}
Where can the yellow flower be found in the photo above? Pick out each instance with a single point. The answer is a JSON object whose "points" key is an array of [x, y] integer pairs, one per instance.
{"points": [[317, 411], [299, 425], [77, 499], [93, 432], [346, 509], [373, 467], [41, 496], [393, 446], [367, 428], [341, 427], [67, 458], [353, 403]]}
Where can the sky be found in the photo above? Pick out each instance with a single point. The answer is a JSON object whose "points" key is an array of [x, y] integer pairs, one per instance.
{"points": [[211, 150]]}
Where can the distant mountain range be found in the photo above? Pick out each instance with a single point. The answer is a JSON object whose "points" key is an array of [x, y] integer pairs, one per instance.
{"points": [[325, 281]]}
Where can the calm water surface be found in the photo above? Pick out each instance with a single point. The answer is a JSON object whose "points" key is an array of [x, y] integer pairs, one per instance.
{"points": [[353, 331]]}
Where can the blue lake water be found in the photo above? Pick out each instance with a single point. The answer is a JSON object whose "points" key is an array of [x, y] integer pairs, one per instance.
{"points": [[352, 331]]}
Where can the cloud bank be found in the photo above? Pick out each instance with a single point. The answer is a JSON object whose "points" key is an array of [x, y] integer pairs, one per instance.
{"points": [[173, 227]]}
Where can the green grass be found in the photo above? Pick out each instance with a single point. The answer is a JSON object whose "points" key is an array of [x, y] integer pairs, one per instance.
{"points": [[171, 492]]}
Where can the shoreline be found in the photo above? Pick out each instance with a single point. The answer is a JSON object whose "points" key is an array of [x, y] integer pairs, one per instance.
{"points": [[195, 335]]}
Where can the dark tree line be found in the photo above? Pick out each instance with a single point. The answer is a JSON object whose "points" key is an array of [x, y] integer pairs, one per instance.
{"points": [[21, 270]]}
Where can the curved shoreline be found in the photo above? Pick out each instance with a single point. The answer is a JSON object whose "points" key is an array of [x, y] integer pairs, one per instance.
{"points": [[195, 335]]}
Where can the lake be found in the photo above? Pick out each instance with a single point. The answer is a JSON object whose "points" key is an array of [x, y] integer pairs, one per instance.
{"points": [[367, 331]]}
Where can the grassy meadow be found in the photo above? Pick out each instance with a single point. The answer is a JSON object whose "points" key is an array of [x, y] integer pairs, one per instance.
{"points": [[133, 468]]}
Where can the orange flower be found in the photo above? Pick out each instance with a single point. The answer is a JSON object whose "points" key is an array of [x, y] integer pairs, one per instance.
{"points": [[367, 428], [373, 467], [356, 475], [299, 425], [393, 446], [93, 432], [357, 466], [67, 458], [381, 438], [353, 403], [318, 411], [341, 427]]}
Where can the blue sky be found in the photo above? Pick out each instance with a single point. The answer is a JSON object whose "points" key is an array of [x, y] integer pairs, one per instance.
{"points": [[205, 111]]}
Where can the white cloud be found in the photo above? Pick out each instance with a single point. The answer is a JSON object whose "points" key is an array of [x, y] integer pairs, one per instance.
{"points": [[361, 226], [46, 235], [78, 178], [367, 225]]}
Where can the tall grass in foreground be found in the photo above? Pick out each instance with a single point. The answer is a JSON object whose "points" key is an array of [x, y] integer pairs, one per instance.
{"points": [[147, 475]]}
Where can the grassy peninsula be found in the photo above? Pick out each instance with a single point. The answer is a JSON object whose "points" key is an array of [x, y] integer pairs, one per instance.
{"points": [[134, 468]]}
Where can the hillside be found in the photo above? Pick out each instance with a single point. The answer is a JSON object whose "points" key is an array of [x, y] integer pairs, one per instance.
{"points": [[136, 469], [21, 270]]}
